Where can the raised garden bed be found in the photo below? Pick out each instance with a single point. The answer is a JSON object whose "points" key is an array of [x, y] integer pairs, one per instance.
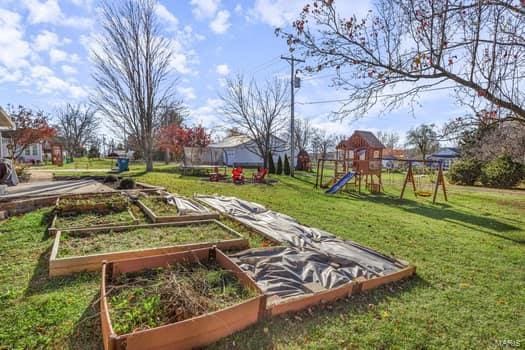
{"points": [[176, 301], [84, 250], [94, 220], [163, 209], [96, 203]]}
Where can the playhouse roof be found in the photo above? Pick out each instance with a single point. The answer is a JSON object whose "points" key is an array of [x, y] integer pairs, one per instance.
{"points": [[368, 137]]}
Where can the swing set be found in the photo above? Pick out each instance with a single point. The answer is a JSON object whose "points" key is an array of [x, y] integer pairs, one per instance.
{"points": [[421, 187]]}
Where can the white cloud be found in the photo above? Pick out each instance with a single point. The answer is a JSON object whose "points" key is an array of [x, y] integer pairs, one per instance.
{"points": [[222, 69], [69, 70], [43, 12], [14, 49], [238, 9], [164, 14], [188, 93], [46, 40], [278, 13], [205, 8], [49, 11], [221, 22], [207, 113], [44, 81], [56, 55]]}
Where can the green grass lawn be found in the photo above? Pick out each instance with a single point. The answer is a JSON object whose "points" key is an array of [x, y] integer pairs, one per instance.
{"points": [[469, 291]]}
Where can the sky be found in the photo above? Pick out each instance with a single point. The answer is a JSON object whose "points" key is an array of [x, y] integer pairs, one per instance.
{"points": [[45, 61]]}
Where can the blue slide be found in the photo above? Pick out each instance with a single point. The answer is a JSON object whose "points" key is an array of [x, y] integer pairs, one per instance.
{"points": [[340, 183]]}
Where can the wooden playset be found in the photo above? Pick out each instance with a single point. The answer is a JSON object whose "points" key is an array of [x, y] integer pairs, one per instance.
{"points": [[418, 181], [360, 154]]}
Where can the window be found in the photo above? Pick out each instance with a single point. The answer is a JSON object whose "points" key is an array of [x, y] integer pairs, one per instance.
{"points": [[35, 150], [27, 151]]}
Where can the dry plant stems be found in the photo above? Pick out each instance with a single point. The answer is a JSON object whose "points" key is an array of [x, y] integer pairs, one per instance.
{"points": [[160, 296], [94, 219], [160, 205], [100, 204], [153, 237]]}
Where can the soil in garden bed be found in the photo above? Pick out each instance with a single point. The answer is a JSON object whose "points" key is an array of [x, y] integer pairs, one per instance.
{"points": [[93, 219], [109, 241], [256, 240], [156, 297], [100, 204], [160, 206]]}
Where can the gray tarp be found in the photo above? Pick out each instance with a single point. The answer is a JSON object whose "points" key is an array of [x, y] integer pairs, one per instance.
{"points": [[187, 207], [314, 255]]}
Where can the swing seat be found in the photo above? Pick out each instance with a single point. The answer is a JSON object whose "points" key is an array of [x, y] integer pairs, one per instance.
{"points": [[423, 193]]}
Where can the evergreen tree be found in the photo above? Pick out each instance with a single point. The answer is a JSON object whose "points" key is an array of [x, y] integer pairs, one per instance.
{"points": [[271, 164], [279, 166], [286, 165]]}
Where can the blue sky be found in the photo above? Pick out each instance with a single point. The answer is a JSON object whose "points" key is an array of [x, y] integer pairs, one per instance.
{"points": [[44, 58]]}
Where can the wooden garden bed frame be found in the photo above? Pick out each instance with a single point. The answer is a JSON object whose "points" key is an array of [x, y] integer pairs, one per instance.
{"points": [[92, 262], [53, 229], [191, 333], [174, 218], [277, 306]]}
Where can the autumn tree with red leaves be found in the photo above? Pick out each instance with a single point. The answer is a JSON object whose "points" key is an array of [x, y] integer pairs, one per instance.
{"points": [[174, 137], [402, 48], [31, 127]]}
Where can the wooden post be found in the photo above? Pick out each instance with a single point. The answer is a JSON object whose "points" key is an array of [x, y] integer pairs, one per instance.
{"points": [[440, 181], [317, 174], [408, 178], [322, 171]]}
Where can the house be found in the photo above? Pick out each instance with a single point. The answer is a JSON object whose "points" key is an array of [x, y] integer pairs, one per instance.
{"points": [[6, 124], [392, 158], [446, 155], [239, 150]]}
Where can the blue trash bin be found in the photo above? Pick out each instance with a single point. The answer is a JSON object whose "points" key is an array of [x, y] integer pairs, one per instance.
{"points": [[123, 164]]}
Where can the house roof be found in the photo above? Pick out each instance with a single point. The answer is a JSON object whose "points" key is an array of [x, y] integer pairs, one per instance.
{"points": [[393, 154], [237, 140], [447, 152], [5, 121], [368, 137], [231, 141]]}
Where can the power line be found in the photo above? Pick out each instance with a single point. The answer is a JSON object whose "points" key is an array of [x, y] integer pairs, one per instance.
{"points": [[392, 95]]}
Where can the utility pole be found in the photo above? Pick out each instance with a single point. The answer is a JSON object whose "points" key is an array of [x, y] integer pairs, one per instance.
{"points": [[292, 61]]}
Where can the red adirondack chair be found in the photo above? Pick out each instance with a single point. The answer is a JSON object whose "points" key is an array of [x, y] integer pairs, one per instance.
{"points": [[260, 175], [238, 175]]}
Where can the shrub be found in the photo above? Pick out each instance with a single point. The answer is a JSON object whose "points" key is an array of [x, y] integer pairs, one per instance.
{"points": [[286, 165], [279, 166], [271, 164], [464, 172], [110, 179], [502, 172], [127, 184]]}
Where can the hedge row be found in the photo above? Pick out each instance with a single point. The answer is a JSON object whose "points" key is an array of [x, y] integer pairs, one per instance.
{"points": [[501, 172]]}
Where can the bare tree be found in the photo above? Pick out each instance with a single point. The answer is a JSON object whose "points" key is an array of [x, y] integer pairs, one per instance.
{"points": [[259, 112], [132, 71], [389, 139], [78, 126], [405, 47], [303, 133], [322, 143], [424, 139]]}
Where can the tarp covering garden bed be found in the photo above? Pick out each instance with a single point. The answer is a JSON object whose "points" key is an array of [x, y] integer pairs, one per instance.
{"points": [[314, 256]]}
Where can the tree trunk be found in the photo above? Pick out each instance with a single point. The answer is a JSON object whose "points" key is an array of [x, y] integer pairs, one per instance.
{"points": [[149, 161], [167, 156]]}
